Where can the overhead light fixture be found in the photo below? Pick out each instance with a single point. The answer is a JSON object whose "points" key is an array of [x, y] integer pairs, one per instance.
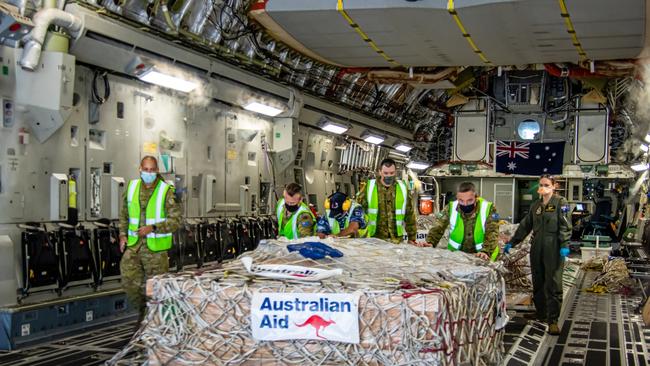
{"points": [[146, 71], [416, 165], [372, 138], [643, 147], [647, 138], [640, 167], [403, 147], [263, 109], [327, 125], [167, 81]]}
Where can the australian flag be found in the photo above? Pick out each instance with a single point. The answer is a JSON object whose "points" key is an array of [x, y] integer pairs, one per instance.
{"points": [[527, 158]]}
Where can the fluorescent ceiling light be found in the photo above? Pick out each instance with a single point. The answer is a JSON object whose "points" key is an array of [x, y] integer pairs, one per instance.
{"points": [[640, 167], [334, 128], [167, 81], [644, 147], [263, 109], [373, 139], [403, 147], [415, 165]]}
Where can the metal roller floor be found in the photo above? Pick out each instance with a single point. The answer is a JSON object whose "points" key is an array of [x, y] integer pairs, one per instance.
{"points": [[597, 330], [84, 349]]}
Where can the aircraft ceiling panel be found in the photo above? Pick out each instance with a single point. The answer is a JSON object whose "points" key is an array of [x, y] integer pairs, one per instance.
{"points": [[423, 33], [428, 33]]}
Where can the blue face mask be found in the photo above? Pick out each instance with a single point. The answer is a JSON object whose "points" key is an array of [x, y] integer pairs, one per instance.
{"points": [[148, 177]]}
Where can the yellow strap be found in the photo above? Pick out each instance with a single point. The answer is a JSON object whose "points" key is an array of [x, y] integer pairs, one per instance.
{"points": [[452, 11], [571, 30], [364, 36]]}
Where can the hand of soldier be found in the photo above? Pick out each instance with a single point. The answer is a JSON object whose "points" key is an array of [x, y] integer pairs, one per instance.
{"points": [[414, 243], [145, 230], [122, 243], [322, 236], [482, 256]]}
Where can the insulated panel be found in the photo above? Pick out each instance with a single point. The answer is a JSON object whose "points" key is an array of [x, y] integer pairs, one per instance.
{"points": [[470, 137], [206, 131], [243, 147], [591, 138], [27, 164], [319, 177], [113, 143], [504, 200]]}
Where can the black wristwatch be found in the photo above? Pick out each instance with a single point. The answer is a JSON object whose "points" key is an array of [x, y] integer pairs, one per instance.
{"points": [[154, 227]]}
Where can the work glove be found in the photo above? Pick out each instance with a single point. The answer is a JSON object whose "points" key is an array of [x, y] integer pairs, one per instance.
{"points": [[314, 250], [507, 248], [564, 252]]}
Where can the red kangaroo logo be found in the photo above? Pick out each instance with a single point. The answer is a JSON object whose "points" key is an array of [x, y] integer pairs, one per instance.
{"points": [[316, 322]]}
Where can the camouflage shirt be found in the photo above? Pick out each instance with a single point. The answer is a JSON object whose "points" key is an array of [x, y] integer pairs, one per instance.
{"points": [[386, 216], [305, 223], [323, 223], [469, 222], [172, 210]]}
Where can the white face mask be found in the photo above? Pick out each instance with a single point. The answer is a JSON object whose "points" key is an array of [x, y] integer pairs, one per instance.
{"points": [[148, 177]]}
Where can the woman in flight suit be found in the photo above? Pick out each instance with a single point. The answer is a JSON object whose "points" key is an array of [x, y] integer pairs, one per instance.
{"points": [[549, 247]]}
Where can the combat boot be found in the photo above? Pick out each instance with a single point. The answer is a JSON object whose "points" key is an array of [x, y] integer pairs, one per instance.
{"points": [[553, 329]]}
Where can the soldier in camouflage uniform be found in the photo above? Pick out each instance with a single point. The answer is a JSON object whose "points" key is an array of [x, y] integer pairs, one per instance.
{"points": [[144, 245], [295, 218], [388, 206], [548, 221], [468, 210]]}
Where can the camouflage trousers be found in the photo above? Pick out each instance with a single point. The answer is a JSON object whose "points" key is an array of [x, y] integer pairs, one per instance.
{"points": [[137, 265]]}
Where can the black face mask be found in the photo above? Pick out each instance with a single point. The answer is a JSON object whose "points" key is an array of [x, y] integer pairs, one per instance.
{"points": [[291, 208], [389, 180], [467, 208]]}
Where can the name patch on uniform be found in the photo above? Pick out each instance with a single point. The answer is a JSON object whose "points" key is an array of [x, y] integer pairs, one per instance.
{"points": [[550, 208]]}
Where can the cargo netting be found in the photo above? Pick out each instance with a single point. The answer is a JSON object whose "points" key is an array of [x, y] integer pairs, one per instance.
{"points": [[418, 306]]}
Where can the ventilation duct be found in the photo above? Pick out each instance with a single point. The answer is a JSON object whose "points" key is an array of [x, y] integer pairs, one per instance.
{"points": [[136, 10]]}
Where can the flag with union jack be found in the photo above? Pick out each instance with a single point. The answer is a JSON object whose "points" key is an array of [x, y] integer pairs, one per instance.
{"points": [[513, 149], [529, 158]]}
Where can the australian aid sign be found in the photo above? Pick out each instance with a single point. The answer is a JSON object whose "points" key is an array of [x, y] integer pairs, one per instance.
{"points": [[319, 316]]}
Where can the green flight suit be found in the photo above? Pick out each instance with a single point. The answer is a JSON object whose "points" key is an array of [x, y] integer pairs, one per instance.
{"points": [[138, 262], [386, 228], [551, 231], [490, 241]]}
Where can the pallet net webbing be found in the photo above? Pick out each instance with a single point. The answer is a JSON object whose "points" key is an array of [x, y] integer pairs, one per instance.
{"points": [[418, 306]]}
